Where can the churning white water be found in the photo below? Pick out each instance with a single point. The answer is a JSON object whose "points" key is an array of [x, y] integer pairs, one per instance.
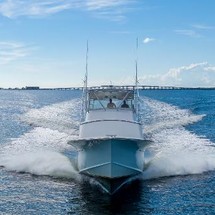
{"points": [[41, 150], [174, 150]]}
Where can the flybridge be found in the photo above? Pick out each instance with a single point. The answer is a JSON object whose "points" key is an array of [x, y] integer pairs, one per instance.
{"points": [[128, 87]]}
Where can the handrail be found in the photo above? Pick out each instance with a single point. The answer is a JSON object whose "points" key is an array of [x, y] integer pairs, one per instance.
{"points": [[111, 120]]}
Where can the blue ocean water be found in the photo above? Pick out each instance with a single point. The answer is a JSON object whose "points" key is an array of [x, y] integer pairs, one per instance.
{"points": [[37, 176]]}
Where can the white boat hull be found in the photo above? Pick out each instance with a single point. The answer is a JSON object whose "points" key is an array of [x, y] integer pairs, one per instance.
{"points": [[112, 161], [108, 158]]}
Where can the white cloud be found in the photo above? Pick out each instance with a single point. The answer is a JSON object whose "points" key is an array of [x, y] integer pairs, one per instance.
{"points": [[111, 9], [193, 75], [196, 30], [10, 51], [16, 8], [203, 27], [188, 32], [148, 40], [120, 32], [101, 4], [210, 68], [113, 15]]}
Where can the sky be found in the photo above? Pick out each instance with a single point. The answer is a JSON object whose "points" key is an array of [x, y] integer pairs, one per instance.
{"points": [[43, 43]]}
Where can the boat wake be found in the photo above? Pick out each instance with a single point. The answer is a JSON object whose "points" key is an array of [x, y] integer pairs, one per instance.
{"points": [[44, 150], [63, 117], [41, 163], [175, 150]]}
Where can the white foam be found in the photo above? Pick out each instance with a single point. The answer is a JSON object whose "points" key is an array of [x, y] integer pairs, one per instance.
{"points": [[175, 150], [40, 163], [40, 151], [180, 164], [39, 139], [63, 116], [158, 115]]}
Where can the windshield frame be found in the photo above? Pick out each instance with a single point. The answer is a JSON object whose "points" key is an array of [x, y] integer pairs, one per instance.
{"points": [[99, 98]]}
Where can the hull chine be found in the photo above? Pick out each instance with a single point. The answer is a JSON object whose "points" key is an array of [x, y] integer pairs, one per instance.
{"points": [[110, 170], [109, 158]]}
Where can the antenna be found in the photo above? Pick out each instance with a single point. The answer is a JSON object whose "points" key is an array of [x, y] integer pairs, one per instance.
{"points": [[86, 74], [136, 63], [84, 94], [136, 82], [86, 78]]}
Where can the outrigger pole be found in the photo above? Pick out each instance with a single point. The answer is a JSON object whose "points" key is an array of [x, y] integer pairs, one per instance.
{"points": [[136, 62], [86, 74], [84, 95], [136, 81]]}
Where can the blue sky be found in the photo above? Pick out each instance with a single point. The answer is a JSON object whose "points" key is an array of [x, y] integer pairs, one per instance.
{"points": [[43, 43]]}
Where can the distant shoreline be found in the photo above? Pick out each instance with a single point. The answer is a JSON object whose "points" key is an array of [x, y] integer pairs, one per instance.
{"points": [[143, 87]]}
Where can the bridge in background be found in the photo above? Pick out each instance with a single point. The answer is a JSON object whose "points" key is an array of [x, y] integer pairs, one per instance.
{"points": [[141, 87]]}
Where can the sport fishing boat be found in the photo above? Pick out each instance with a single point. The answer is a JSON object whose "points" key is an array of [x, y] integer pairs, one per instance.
{"points": [[110, 143], [110, 136]]}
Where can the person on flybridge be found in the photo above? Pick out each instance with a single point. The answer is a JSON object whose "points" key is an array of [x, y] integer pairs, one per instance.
{"points": [[111, 104], [124, 105]]}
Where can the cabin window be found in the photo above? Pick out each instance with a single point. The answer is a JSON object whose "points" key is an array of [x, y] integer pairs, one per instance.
{"points": [[99, 99]]}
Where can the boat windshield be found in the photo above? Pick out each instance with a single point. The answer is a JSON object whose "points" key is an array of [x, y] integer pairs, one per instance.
{"points": [[111, 98]]}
